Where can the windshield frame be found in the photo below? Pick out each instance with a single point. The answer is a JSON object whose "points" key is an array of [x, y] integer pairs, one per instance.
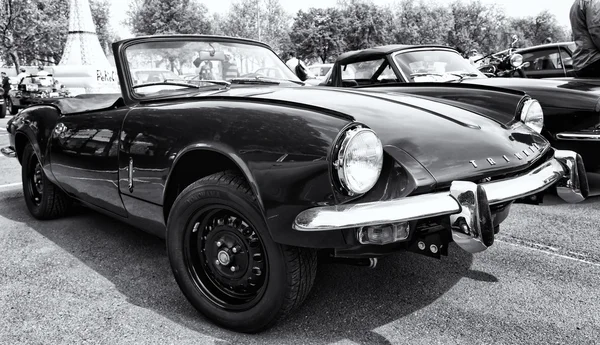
{"points": [[124, 70], [406, 78]]}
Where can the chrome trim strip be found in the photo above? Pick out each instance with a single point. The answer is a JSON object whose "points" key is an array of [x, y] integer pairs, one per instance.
{"points": [[130, 175], [339, 217], [8, 152], [578, 136]]}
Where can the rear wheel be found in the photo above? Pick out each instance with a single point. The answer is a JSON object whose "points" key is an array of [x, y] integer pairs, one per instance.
{"points": [[11, 107], [225, 261], [44, 200], [3, 108]]}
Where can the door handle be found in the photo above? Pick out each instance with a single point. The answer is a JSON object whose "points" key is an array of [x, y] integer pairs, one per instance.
{"points": [[130, 177]]}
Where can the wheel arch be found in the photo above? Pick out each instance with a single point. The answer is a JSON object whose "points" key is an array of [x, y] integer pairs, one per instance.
{"points": [[184, 171]]}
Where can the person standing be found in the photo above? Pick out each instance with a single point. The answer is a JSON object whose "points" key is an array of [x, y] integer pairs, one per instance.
{"points": [[5, 90], [297, 66], [585, 24], [22, 74], [230, 69]]}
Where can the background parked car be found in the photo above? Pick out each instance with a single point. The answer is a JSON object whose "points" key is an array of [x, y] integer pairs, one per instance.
{"points": [[570, 106], [549, 60]]}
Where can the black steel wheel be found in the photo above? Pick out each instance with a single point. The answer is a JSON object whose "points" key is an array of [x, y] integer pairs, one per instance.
{"points": [[224, 260], [44, 200], [11, 107]]}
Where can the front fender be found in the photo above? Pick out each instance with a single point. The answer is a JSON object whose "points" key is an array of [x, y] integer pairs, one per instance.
{"points": [[281, 149], [221, 149], [36, 123]]}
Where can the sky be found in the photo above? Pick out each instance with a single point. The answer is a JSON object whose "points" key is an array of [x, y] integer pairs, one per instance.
{"points": [[516, 8]]}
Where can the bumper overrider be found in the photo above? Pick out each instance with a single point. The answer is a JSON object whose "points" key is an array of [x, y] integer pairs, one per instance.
{"points": [[467, 203]]}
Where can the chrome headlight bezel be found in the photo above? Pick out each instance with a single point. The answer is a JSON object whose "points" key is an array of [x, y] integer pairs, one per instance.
{"points": [[516, 60], [342, 161], [532, 115]]}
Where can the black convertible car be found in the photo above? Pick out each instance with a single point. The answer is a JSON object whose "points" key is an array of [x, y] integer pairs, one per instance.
{"points": [[571, 107], [249, 178], [549, 60]]}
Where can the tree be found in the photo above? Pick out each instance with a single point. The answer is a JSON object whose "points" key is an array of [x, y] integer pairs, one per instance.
{"points": [[262, 20], [366, 25], [421, 23], [275, 26], [476, 26], [241, 20], [101, 16], [318, 33], [35, 31], [150, 17], [534, 30]]}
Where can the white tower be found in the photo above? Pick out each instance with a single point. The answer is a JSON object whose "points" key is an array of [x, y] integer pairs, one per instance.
{"points": [[84, 67], [83, 47]]}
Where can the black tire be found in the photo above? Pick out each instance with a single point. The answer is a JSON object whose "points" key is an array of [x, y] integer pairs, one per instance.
{"points": [[11, 108], [197, 239], [3, 109], [44, 200]]}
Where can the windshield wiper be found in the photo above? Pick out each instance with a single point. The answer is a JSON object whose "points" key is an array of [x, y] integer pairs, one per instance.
{"points": [[460, 76], [176, 83], [255, 80]]}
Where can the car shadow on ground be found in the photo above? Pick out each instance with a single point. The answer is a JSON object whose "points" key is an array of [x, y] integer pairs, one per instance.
{"points": [[346, 302]]}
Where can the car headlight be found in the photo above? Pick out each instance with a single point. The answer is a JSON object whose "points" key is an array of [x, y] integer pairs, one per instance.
{"points": [[516, 60], [359, 160], [532, 115]]}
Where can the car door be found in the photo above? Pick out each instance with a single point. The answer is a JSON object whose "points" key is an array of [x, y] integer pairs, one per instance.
{"points": [[84, 158], [544, 63]]}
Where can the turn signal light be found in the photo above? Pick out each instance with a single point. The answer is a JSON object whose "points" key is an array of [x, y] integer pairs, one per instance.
{"points": [[383, 234]]}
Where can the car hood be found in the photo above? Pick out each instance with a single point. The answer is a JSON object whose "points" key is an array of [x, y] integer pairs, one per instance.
{"points": [[450, 142], [557, 93]]}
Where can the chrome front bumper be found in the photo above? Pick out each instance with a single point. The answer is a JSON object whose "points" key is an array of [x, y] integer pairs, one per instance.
{"points": [[467, 203]]}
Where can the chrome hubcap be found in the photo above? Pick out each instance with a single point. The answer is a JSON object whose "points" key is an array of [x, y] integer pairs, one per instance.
{"points": [[223, 258]]}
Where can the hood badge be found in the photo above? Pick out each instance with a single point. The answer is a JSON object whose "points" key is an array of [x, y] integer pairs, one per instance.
{"points": [[518, 155]]}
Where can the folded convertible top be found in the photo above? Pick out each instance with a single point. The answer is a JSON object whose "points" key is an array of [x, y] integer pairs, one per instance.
{"points": [[88, 102]]}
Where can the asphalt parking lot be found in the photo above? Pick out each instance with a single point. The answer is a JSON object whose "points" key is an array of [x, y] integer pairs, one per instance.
{"points": [[87, 279]]}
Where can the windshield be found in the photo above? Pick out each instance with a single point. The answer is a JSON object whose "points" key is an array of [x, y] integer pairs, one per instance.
{"points": [[435, 65], [176, 66]]}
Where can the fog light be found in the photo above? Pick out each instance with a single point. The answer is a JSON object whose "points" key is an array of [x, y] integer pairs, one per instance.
{"points": [[383, 234]]}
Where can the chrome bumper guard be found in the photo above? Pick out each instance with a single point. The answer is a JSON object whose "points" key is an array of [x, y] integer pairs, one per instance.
{"points": [[8, 152], [467, 203]]}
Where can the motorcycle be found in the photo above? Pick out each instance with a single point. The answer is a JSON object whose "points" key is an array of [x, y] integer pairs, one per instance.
{"points": [[504, 64]]}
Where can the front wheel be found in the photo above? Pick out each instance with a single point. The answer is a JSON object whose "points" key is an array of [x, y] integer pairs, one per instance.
{"points": [[225, 261], [44, 200]]}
